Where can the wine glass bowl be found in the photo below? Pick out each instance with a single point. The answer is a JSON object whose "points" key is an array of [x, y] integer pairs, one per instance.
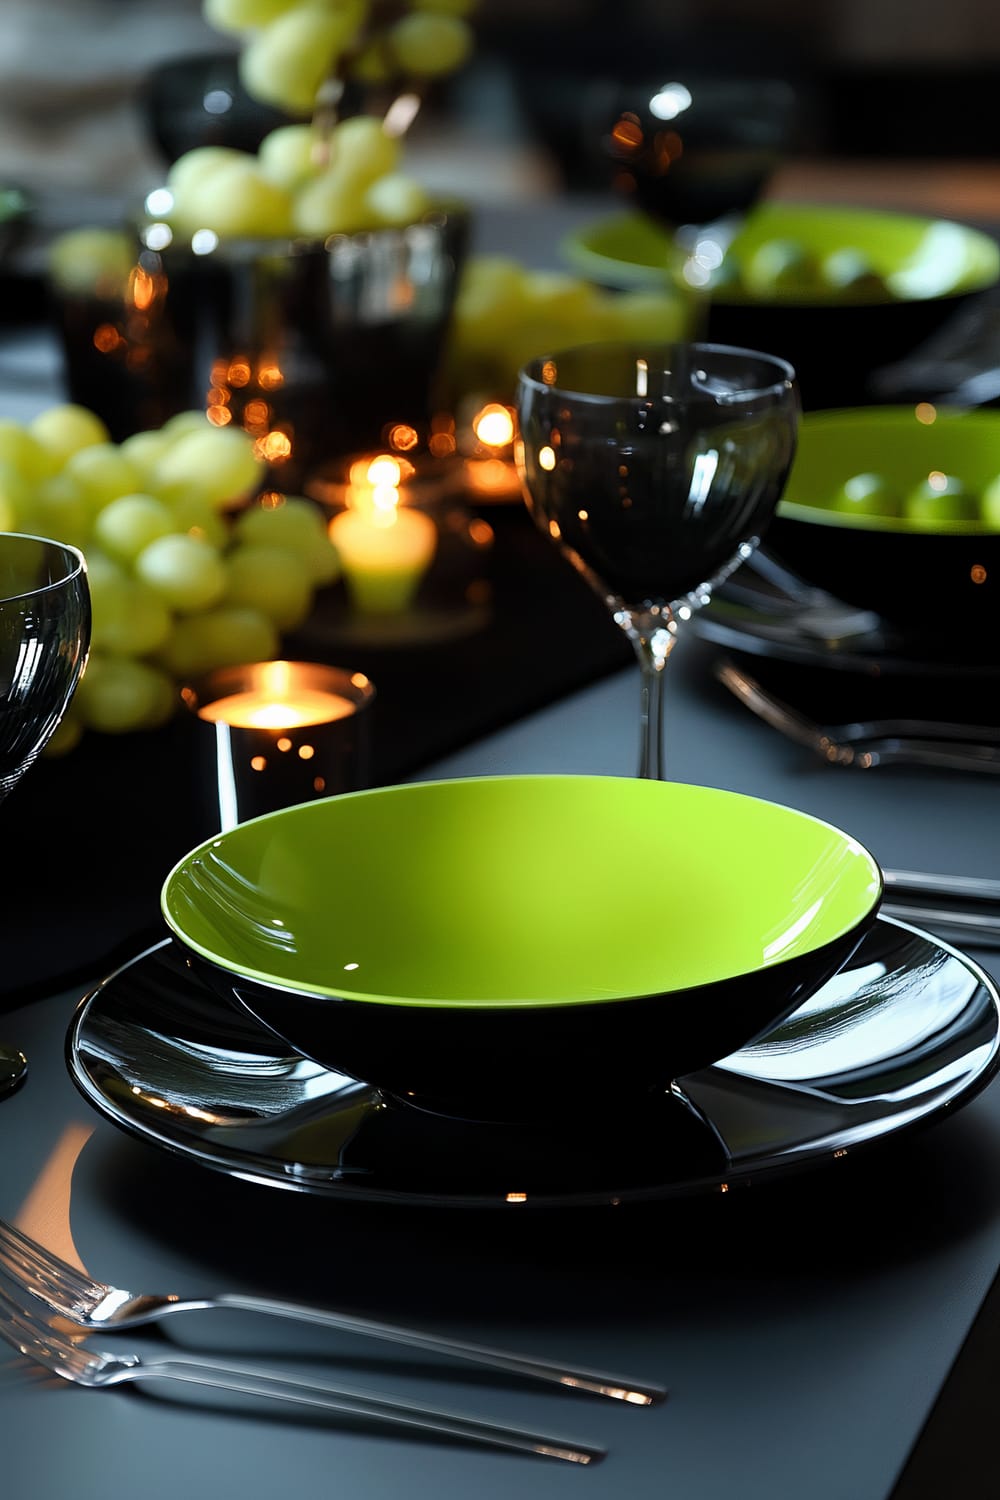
{"points": [[44, 639], [697, 149], [656, 469]]}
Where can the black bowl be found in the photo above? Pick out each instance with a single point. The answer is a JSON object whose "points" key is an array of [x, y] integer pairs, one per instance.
{"points": [[495, 947], [916, 570], [838, 292]]}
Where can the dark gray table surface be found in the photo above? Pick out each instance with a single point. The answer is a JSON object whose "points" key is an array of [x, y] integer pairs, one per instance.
{"points": [[804, 1327]]}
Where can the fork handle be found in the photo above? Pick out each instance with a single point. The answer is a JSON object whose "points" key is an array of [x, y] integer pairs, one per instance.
{"points": [[249, 1381], [637, 1392]]}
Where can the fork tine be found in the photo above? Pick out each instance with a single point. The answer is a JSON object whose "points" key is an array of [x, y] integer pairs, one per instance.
{"points": [[27, 1257]]}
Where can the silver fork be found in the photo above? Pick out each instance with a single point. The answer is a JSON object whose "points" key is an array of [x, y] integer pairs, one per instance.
{"points": [[915, 742], [99, 1305], [38, 1340]]}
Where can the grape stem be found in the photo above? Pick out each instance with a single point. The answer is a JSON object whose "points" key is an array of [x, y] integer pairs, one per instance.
{"points": [[406, 94]]}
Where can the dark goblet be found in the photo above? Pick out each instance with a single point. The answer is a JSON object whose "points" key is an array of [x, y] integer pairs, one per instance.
{"points": [[656, 469], [44, 639]]}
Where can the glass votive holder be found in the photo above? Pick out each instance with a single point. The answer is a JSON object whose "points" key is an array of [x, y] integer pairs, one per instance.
{"points": [[273, 734]]}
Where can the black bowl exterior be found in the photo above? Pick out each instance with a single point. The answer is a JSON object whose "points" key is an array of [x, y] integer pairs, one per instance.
{"points": [[946, 583], [525, 1062], [834, 348]]}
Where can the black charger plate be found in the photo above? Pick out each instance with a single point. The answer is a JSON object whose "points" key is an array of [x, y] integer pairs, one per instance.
{"points": [[908, 1030]]}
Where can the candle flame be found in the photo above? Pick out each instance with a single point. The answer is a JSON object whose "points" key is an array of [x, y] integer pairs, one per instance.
{"points": [[273, 678], [494, 425]]}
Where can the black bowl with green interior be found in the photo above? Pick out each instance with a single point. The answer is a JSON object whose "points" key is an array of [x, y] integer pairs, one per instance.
{"points": [[838, 292], [897, 509], [502, 947]]}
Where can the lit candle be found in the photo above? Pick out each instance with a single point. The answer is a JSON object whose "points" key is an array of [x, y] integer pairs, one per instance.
{"points": [[490, 472], [385, 548], [276, 733], [279, 698]]}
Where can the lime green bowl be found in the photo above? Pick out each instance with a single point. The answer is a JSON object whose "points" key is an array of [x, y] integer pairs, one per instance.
{"points": [[495, 946], [839, 292], [897, 509]]}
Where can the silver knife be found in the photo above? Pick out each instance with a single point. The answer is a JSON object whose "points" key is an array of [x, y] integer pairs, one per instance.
{"points": [[963, 907]]}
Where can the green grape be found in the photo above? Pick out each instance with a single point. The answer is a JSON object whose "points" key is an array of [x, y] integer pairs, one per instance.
{"points": [[129, 523], [24, 453], [62, 509], [850, 271], [866, 494], [198, 164], [292, 524], [939, 498], [129, 619], [288, 155], [144, 450], [243, 15], [107, 582], [102, 472], [330, 204], [779, 265], [16, 497], [491, 296], [217, 464], [66, 428], [396, 200], [286, 62], [652, 315], [222, 637], [183, 422], [117, 694], [102, 572], [185, 571], [361, 151], [296, 525], [91, 262], [199, 517], [235, 200], [428, 44], [272, 580]]}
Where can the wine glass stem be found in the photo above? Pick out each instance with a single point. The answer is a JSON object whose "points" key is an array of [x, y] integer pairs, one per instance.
{"points": [[653, 634], [651, 763]]}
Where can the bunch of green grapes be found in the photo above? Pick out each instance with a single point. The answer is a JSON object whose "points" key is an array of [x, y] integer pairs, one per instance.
{"points": [[316, 178], [185, 574], [291, 48], [506, 314], [299, 183]]}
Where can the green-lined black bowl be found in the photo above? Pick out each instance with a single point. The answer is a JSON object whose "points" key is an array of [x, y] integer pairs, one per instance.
{"points": [[499, 946], [839, 292], [897, 509]]}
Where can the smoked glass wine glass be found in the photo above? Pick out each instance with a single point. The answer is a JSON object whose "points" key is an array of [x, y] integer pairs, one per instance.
{"points": [[656, 469], [44, 640]]}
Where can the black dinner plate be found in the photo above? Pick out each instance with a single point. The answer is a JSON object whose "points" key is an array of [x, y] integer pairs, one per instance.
{"points": [[839, 664], [907, 1031]]}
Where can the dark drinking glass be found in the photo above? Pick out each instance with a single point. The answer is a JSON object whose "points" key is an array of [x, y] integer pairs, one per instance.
{"points": [[656, 470]]}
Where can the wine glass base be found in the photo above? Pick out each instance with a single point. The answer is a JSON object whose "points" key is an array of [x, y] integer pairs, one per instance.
{"points": [[13, 1070]]}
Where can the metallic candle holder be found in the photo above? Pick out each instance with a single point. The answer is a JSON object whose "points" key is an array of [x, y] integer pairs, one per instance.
{"points": [[277, 733]]}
